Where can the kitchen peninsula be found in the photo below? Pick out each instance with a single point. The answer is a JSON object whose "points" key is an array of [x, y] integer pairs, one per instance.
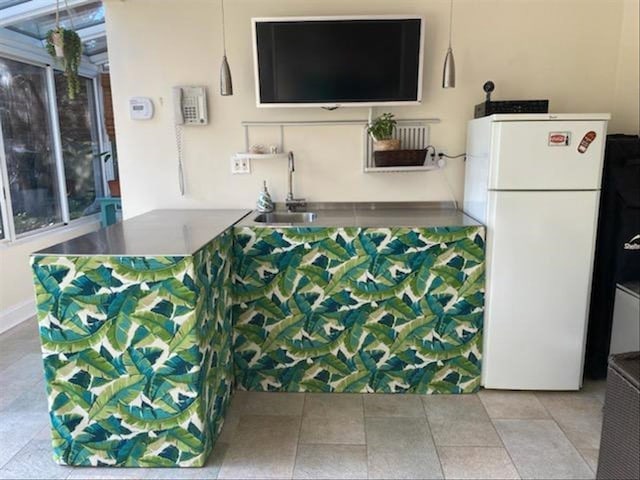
{"points": [[146, 326]]}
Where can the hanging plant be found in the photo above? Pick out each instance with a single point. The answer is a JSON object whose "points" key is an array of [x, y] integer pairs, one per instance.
{"points": [[66, 46]]}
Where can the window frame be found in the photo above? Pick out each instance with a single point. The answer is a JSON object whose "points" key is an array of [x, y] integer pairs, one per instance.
{"points": [[34, 55]]}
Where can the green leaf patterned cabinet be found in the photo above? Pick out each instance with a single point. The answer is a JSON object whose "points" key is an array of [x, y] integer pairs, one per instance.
{"points": [[137, 355], [359, 309], [141, 352]]}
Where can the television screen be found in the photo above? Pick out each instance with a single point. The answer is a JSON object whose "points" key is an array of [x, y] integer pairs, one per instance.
{"points": [[338, 61]]}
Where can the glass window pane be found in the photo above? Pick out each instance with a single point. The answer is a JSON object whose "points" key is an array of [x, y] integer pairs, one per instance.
{"points": [[80, 147], [28, 146], [83, 16], [95, 46], [10, 3], [1, 224]]}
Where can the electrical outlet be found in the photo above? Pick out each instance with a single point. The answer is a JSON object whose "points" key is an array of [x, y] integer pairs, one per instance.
{"points": [[240, 165]]}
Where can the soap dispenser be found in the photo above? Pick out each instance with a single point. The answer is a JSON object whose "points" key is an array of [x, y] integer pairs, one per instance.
{"points": [[265, 204]]}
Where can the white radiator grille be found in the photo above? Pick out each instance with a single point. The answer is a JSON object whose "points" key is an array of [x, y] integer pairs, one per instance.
{"points": [[412, 136]]}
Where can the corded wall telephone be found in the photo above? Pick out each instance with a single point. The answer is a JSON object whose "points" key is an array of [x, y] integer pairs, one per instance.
{"points": [[190, 105], [190, 108]]}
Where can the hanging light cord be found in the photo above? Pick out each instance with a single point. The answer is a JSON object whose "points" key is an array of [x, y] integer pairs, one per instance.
{"points": [[450, 21], [224, 35]]}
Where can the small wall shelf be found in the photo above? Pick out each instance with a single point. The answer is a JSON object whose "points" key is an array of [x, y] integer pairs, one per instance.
{"points": [[414, 134], [422, 168], [262, 156]]}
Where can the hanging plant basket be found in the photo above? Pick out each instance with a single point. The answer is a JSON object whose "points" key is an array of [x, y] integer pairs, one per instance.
{"points": [[57, 39], [66, 47]]}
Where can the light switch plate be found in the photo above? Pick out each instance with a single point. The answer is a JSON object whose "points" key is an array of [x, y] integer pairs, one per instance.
{"points": [[240, 165]]}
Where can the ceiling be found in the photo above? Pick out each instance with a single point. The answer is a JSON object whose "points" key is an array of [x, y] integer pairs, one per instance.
{"points": [[30, 20]]}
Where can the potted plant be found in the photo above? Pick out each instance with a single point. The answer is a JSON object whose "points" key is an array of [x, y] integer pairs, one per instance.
{"points": [[66, 46], [114, 184], [381, 130]]}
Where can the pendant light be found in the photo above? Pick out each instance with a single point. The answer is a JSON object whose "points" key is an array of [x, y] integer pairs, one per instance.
{"points": [[449, 70], [226, 85]]}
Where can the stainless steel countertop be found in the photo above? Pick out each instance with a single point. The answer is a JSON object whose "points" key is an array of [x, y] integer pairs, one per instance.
{"points": [[184, 232], [381, 214], [156, 233]]}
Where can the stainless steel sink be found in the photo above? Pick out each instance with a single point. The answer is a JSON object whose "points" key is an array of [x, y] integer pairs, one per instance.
{"points": [[286, 217]]}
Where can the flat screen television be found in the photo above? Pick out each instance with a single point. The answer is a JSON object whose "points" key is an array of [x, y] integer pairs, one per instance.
{"points": [[338, 61]]}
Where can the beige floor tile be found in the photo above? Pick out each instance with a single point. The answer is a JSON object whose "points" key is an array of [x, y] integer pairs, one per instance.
{"points": [[400, 448], [512, 405], [14, 350], [34, 461], [331, 461], [477, 463], [596, 388], [229, 428], [17, 430], [232, 417], [342, 430], [28, 399], [464, 433], [579, 416], [29, 370], [263, 447], [108, 473], [393, 405], [270, 403], [333, 405], [540, 450], [591, 457], [454, 407], [333, 418]]}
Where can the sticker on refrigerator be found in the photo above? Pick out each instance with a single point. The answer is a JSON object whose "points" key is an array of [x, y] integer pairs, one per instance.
{"points": [[586, 141], [559, 139]]}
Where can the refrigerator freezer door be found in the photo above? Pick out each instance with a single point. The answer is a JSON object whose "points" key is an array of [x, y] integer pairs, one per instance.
{"points": [[547, 155], [539, 259]]}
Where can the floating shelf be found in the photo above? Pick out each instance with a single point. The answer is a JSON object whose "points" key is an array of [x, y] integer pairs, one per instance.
{"points": [[414, 134], [262, 156], [422, 168]]}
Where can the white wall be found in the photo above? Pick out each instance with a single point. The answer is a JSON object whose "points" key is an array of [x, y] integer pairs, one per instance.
{"points": [[626, 101], [565, 50], [17, 298]]}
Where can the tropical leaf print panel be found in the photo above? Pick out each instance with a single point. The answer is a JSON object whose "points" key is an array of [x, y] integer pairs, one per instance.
{"points": [[358, 310], [137, 355]]}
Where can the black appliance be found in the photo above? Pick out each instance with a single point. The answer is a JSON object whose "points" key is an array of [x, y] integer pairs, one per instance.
{"points": [[338, 60], [617, 255], [489, 107]]}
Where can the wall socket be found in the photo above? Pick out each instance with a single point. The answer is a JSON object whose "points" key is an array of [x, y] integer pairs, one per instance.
{"points": [[240, 165]]}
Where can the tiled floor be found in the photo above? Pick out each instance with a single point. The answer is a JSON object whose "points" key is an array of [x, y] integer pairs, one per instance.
{"points": [[274, 435]]}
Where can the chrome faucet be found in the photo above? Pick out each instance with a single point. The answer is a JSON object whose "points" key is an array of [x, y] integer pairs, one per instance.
{"points": [[293, 204]]}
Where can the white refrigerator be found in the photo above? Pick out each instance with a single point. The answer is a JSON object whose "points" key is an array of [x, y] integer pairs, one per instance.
{"points": [[534, 181]]}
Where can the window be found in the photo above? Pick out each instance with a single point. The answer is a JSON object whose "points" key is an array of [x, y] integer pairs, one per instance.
{"points": [[84, 16], [1, 225], [42, 187], [80, 147], [28, 146]]}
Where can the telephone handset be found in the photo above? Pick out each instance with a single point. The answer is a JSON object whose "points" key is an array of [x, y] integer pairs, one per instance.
{"points": [[190, 105], [190, 108]]}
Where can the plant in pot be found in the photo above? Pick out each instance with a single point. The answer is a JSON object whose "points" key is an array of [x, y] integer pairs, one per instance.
{"points": [[381, 130], [66, 46], [114, 184]]}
